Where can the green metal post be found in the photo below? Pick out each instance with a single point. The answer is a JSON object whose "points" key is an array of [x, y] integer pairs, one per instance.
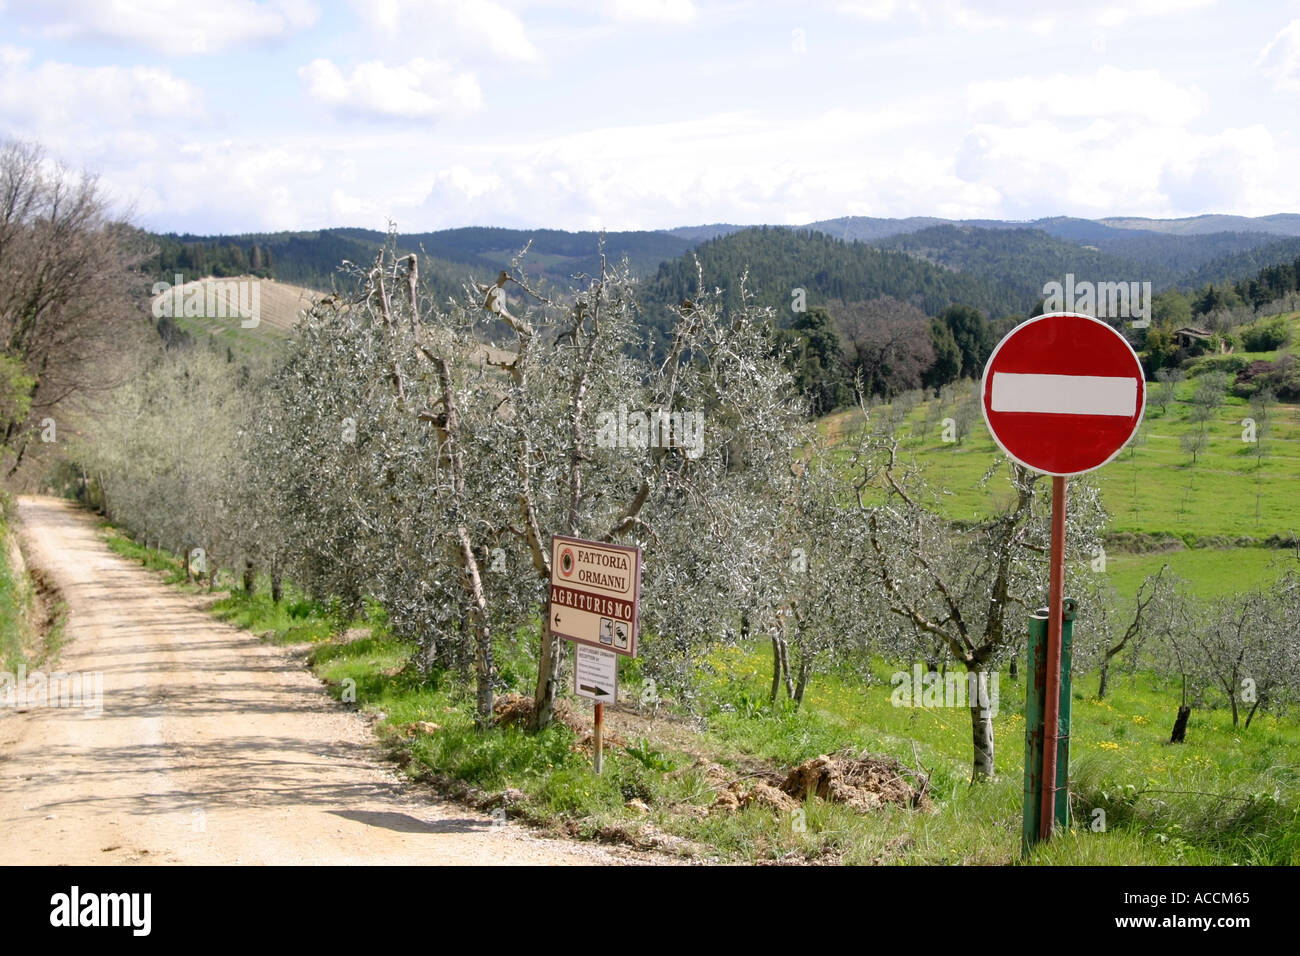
{"points": [[1071, 607], [1036, 672], [1035, 701]]}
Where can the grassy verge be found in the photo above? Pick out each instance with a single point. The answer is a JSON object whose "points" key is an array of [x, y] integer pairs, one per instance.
{"points": [[292, 620], [31, 616], [15, 608], [152, 558]]}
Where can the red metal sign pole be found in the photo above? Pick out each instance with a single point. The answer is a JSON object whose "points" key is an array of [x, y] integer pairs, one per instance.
{"points": [[1052, 704]]}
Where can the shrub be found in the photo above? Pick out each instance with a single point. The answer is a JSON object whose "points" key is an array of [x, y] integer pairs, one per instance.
{"points": [[1266, 336], [1229, 364], [1282, 376]]}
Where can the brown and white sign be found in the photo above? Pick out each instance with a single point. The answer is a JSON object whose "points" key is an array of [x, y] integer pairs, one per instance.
{"points": [[595, 588]]}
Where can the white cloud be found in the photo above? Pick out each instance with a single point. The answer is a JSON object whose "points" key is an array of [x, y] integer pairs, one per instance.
{"points": [[59, 98], [460, 30], [179, 29], [1109, 92], [1280, 60], [1058, 133], [736, 166], [1004, 14], [1126, 168], [260, 185], [868, 9], [1115, 142], [742, 166], [1111, 14], [1244, 170], [418, 89], [664, 11]]}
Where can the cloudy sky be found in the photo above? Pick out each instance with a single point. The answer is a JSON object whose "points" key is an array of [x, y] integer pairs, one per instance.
{"points": [[247, 115]]}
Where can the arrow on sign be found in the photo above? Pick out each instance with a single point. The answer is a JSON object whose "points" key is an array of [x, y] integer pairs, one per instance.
{"points": [[593, 689]]}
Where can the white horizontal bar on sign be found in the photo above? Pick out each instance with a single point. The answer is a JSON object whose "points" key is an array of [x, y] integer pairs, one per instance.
{"points": [[1064, 394]]}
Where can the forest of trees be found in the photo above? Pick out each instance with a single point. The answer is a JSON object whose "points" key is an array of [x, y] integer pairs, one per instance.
{"points": [[880, 348], [1020, 260], [194, 257], [312, 258]]}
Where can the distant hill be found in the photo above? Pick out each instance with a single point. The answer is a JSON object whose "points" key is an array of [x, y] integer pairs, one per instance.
{"points": [[1019, 260], [781, 259], [1280, 224], [556, 253], [1172, 257], [1243, 265], [998, 266], [704, 233], [1067, 227], [312, 258], [868, 228], [278, 304]]}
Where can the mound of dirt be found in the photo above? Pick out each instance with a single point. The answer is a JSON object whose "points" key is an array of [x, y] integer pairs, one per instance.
{"points": [[737, 796], [766, 795], [863, 782], [515, 710], [714, 772]]}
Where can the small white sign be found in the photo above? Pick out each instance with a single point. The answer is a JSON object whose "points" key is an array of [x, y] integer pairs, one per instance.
{"points": [[595, 674]]}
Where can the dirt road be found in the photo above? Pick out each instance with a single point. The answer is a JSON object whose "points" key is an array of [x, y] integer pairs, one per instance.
{"points": [[213, 747]]}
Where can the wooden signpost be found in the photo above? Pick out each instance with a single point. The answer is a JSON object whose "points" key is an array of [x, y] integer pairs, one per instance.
{"points": [[594, 602]]}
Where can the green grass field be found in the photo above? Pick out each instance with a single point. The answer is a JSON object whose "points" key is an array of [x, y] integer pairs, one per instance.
{"points": [[1237, 492], [1152, 487], [1214, 572], [279, 306]]}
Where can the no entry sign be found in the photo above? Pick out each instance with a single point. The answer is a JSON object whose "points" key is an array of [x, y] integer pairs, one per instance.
{"points": [[1063, 393], [594, 592]]}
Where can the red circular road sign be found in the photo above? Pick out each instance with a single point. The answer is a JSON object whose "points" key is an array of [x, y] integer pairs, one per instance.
{"points": [[1063, 393]]}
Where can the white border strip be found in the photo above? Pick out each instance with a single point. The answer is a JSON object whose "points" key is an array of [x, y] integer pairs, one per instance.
{"points": [[1063, 394]]}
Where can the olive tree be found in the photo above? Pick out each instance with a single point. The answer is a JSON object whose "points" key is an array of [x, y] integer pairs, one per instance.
{"points": [[671, 455], [1243, 646], [820, 616], [967, 586], [427, 454], [1153, 613], [163, 445]]}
